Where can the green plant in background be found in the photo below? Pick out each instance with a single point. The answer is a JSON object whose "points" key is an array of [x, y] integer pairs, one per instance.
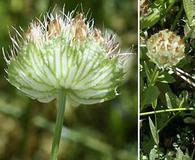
{"points": [[68, 59], [167, 79]]}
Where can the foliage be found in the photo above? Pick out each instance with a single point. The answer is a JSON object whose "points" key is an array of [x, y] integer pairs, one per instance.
{"points": [[167, 94]]}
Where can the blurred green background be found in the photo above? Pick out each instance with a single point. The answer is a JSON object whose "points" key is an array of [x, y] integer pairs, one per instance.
{"points": [[106, 131]]}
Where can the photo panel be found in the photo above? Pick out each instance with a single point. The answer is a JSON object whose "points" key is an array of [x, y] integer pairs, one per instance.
{"points": [[167, 82]]}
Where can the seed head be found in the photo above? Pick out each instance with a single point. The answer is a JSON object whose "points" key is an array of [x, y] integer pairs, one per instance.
{"points": [[66, 52], [165, 48]]}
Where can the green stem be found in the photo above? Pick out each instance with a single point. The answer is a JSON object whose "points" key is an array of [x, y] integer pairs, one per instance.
{"points": [[166, 110], [193, 152], [61, 99], [156, 126], [178, 17]]}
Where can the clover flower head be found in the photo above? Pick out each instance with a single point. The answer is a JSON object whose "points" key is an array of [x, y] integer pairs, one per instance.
{"points": [[165, 49], [66, 51]]}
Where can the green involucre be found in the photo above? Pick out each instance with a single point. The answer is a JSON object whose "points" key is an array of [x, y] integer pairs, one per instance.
{"points": [[81, 68]]}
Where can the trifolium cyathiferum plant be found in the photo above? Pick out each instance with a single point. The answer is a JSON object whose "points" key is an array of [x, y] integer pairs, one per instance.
{"points": [[67, 58]]}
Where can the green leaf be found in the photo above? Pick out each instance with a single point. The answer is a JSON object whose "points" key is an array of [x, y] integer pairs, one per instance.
{"points": [[166, 78], [150, 95], [181, 156], [189, 7], [184, 94], [153, 154], [168, 100], [154, 131], [147, 71], [173, 100], [154, 104], [189, 120], [143, 55], [183, 99], [150, 20]]}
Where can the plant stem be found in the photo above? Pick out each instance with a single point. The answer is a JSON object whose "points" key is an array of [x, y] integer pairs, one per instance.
{"points": [[166, 110], [61, 99], [185, 76], [193, 152], [178, 17]]}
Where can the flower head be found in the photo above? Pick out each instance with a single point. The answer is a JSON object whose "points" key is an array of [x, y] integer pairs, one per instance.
{"points": [[66, 52], [165, 48]]}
